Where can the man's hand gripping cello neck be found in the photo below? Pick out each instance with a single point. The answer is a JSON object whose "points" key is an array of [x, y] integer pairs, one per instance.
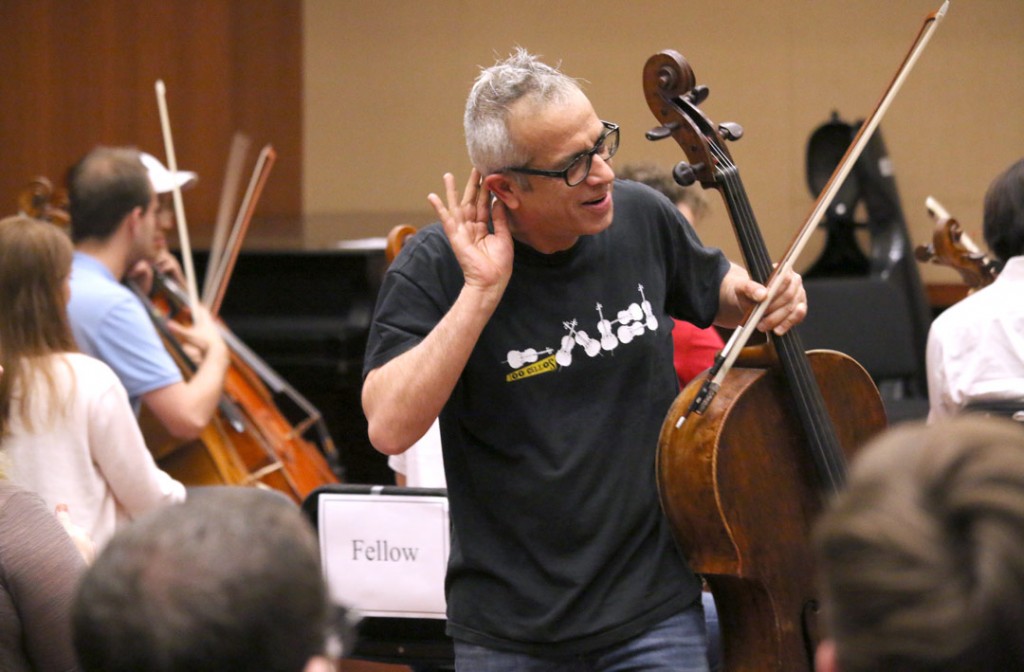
{"points": [[402, 398]]}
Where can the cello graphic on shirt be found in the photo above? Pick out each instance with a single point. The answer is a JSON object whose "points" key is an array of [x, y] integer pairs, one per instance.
{"points": [[633, 321]]}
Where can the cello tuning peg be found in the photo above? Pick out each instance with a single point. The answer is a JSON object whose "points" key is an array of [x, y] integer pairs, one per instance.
{"points": [[730, 130], [697, 94], [661, 132], [684, 174]]}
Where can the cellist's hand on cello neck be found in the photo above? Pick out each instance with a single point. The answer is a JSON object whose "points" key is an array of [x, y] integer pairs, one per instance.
{"points": [[167, 264], [164, 263], [202, 339], [739, 294]]}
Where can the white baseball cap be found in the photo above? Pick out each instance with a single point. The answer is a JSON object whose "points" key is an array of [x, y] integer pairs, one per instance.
{"points": [[164, 180]]}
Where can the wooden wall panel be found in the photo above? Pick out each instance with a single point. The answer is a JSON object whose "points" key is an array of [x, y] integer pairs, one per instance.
{"points": [[74, 75]]}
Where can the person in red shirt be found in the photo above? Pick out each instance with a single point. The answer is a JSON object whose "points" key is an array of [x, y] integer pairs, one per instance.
{"points": [[695, 348]]}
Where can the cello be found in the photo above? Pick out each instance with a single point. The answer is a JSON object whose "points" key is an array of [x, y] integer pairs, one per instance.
{"points": [[270, 450], [742, 480], [952, 247], [745, 462]]}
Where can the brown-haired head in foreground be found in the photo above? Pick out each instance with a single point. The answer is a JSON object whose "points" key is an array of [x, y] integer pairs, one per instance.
{"points": [[922, 555]]}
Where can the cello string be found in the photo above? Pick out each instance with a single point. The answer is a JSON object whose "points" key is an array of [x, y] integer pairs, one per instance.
{"points": [[821, 432], [805, 391]]}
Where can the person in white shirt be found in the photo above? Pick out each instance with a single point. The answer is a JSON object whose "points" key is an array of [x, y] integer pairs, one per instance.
{"points": [[975, 353], [422, 466], [65, 421]]}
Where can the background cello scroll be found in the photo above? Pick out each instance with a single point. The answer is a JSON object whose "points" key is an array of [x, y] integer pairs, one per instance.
{"points": [[951, 246], [39, 199]]}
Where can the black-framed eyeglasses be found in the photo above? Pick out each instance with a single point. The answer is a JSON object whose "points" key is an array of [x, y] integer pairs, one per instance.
{"points": [[579, 166]]}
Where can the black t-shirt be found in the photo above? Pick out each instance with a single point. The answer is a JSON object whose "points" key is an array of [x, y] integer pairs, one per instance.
{"points": [[559, 545]]}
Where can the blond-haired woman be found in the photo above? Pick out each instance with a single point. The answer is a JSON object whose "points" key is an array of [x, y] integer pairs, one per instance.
{"points": [[65, 420]]}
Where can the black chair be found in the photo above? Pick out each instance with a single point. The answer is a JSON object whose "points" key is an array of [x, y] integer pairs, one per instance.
{"points": [[867, 302], [1010, 408], [866, 318]]}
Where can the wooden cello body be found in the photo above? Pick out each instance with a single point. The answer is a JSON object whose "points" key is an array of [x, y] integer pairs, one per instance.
{"points": [[741, 493], [248, 441], [742, 477]]}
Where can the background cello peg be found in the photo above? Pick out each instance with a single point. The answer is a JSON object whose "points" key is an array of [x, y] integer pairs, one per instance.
{"points": [[661, 132], [697, 94], [730, 130], [684, 174]]}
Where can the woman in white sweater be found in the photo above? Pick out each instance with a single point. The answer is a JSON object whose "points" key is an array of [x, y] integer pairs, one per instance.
{"points": [[65, 420]]}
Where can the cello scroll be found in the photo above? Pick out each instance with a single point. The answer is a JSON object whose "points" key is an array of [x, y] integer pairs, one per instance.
{"points": [[40, 200], [952, 247], [674, 96]]}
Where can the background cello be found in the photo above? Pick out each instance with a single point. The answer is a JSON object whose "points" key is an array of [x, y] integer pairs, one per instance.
{"points": [[952, 247], [249, 441], [271, 449], [742, 480]]}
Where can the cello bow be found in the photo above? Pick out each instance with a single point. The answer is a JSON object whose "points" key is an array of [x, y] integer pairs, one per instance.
{"points": [[179, 204], [232, 180], [222, 273], [664, 78]]}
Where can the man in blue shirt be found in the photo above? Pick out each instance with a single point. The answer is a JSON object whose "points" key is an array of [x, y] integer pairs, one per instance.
{"points": [[114, 225]]}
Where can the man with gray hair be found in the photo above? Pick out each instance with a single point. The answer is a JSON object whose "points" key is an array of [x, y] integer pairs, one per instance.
{"points": [[534, 319]]}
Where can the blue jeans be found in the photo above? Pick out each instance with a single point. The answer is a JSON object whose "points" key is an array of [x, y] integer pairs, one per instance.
{"points": [[714, 632], [677, 644]]}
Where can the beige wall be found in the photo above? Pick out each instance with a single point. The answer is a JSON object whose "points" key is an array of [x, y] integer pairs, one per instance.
{"points": [[385, 83]]}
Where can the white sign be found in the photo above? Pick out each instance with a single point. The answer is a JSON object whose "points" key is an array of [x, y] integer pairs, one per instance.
{"points": [[385, 555]]}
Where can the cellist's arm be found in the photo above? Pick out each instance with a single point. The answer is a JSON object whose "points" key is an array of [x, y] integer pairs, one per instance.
{"points": [[404, 396], [186, 407], [738, 294]]}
